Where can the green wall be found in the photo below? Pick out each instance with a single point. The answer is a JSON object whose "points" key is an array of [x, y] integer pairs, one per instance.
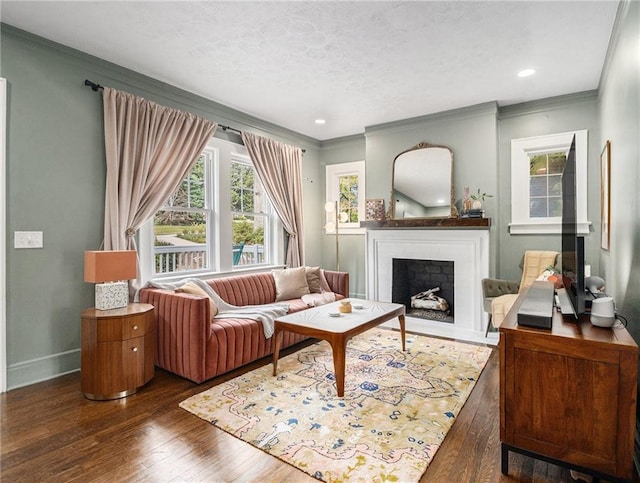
{"points": [[470, 132], [620, 123], [562, 114], [343, 150]]}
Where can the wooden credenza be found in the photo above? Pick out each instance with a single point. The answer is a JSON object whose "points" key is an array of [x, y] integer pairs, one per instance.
{"points": [[568, 395], [117, 351]]}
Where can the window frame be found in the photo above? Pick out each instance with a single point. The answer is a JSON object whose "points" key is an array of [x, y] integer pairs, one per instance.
{"points": [[268, 214], [218, 154], [333, 174], [521, 149]]}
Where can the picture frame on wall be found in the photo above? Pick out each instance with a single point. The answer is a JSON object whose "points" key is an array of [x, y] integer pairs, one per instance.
{"points": [[374, 210], [605, 196]]}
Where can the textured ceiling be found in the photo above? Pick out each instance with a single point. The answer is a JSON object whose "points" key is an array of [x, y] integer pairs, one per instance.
{"points": [[354, 64]]}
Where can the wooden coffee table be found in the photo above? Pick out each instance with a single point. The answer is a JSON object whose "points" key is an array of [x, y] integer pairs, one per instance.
{"points": [[316, 322]]}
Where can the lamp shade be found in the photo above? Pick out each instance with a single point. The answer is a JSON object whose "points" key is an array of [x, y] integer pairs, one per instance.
{"points": [[109, 266]]}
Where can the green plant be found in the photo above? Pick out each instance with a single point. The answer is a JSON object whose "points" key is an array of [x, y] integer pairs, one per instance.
{"points": [[480, 196], [194, 233]]}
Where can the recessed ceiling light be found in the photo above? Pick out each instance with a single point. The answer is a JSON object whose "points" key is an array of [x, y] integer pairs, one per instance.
{"points": [[526, 72], [320, 121]]}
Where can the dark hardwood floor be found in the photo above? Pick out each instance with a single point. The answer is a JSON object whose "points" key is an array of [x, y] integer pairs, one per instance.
{"points": [[50, 432]]}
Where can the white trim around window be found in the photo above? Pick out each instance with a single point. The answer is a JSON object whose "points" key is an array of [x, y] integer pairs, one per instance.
{"points": [[333, 174], [521, 150]]}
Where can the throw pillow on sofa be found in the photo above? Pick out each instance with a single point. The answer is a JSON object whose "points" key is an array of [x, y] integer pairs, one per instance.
{"points": [[290, 283], [193, 289], [316, 280]]}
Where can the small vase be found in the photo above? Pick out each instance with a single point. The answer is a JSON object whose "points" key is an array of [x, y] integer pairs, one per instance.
{"points": [[476, 205], [345, 307], [466, 202]]}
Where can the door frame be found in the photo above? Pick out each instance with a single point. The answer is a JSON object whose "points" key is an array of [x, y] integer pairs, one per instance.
{"points": [[3, 235]]}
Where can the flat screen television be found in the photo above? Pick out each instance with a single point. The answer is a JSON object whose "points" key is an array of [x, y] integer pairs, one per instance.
{"points": [[572, 244]]}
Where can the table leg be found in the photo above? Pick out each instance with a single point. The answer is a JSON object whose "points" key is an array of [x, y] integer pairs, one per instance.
{"points": [[277, 342], [402, 330], [339, 348]]}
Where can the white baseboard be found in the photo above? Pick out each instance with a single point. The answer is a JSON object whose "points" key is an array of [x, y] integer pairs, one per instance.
{"points": [[42, 369]]}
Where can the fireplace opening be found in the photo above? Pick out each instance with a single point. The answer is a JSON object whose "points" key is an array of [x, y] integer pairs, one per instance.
{"points": [[425, 288]]}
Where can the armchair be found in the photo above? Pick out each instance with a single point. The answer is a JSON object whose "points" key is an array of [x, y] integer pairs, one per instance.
{"points": [[499, 295]]}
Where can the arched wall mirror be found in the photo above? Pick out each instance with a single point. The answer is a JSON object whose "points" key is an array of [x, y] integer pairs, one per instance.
{"points": [[422, 184]]}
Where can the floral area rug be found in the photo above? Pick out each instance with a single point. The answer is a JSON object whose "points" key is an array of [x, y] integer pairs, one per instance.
{"points": [[395, 413]]}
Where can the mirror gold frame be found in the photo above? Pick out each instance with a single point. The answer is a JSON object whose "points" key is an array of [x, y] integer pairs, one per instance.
{"points": [[422, 183]]}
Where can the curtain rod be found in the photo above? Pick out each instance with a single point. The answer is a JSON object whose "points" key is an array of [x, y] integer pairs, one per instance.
{"points": [[232, 129], [95, 87]]}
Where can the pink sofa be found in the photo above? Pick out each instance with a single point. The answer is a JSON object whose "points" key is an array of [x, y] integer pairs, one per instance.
{"points": [[192, 345]]}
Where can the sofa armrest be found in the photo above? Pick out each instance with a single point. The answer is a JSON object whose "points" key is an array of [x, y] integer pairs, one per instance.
{"points": [[182, 326], [338, 282]]}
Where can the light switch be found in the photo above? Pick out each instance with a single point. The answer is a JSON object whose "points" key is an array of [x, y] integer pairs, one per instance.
{"points": [[27, 239]]}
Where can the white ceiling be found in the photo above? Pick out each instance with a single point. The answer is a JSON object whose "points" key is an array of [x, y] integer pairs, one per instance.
{"points": [[353, 63]]}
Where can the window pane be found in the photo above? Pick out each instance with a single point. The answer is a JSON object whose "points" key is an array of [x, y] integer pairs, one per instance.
{"points": [[538, 186], [545, 184], [249, 239], [191, 192], [538, 207], [557, 162], [180, 241], [537, 164], [251, 216], [555, 185], [555, 206], [242, 187], [349, 197]]}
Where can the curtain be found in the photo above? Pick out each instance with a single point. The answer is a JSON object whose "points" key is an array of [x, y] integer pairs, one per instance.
{"points": [[279, 168], [149, 150]]}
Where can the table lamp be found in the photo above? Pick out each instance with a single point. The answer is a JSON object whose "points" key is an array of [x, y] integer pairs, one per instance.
{"points": [[109, 270]]}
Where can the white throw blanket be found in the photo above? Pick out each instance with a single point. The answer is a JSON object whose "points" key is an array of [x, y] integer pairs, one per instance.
{"points": [[264, 313]]}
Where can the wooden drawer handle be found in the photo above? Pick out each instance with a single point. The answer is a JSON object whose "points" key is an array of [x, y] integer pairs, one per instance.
{"points": [[135, 327], [135, 349]]}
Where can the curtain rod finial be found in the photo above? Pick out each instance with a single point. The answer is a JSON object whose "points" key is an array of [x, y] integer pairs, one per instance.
{"points": [[93, 85]]}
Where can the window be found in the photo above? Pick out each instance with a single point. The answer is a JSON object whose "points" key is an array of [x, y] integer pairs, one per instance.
{"points": [[251, 213], [536, 182], [345, 185], [191, 235], [545, 184], [182, 225]]}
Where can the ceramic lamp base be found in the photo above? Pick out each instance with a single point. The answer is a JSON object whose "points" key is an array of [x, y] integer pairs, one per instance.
{"points": [[112, 295]]}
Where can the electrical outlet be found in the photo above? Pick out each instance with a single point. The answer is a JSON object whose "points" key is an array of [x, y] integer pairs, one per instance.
{"points": [[27, 239]]}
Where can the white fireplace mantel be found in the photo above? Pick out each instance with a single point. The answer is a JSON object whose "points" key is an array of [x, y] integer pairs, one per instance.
{"points": [[467, 248]]}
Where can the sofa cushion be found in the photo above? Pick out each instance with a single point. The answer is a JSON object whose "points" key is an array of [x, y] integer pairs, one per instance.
{"points": [[193, 289], [290, 283]]}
